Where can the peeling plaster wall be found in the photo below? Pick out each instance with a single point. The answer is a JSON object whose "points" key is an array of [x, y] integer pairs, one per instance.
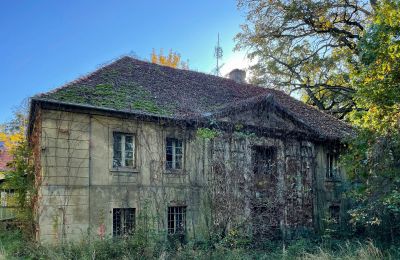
{"points": [[80, 188]]}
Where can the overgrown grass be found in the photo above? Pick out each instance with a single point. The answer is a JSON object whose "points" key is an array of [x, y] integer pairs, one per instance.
{"points": [[14, 246]]}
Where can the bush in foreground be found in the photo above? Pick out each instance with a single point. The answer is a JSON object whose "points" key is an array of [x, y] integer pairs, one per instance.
{"points": [[14, 246]]}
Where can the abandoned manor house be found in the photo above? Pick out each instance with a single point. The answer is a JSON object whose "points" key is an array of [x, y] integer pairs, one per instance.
{"points": [[138, 146]]}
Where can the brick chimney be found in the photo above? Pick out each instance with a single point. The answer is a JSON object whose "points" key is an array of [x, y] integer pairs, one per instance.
{"points": [[238, 75]]}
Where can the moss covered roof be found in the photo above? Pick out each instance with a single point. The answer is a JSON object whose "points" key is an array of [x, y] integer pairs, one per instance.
{"points": [[132, 85]]}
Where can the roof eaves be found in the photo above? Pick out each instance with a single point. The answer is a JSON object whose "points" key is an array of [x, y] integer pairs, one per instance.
{"points": [[135, 113]]}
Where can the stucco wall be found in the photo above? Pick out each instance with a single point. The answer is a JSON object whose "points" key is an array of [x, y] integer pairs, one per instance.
{"points": [[80, 188]]}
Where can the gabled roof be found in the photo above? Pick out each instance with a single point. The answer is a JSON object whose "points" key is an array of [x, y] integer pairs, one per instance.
{"points": [[135, 86]]}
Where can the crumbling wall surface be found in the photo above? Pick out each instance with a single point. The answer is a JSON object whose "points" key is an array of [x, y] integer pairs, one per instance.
{"points": [[328, 190], [298, 198], [277, 202]]}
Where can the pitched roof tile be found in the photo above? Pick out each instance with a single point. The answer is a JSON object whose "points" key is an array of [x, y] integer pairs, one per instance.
{"points": [[133, 85]]}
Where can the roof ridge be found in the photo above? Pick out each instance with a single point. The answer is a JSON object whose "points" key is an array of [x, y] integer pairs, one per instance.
{"points": [[105, 65]]}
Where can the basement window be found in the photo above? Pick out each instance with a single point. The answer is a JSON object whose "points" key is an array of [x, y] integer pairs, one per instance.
{"points": [[264, 160], [123, 221], [123, 150], [332, 168], [173, 154], [334, 213], [177, 222]]}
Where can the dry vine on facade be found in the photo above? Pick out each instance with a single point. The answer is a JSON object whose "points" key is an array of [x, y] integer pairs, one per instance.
{"points": [[183, 153]]}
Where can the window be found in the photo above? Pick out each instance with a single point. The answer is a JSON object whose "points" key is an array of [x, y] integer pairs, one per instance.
{"points": [[123, 221], [334, 213], [3, 198], [177, 220], [7, 198], [264, 160], [173, 154], [332, 166], [124, 150]]}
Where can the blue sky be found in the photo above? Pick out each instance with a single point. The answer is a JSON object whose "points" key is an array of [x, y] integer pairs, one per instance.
{"points": [[44, 44]]}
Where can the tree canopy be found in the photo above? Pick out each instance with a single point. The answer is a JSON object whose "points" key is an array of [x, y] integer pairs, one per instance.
{"points": [[342, 56], [306, 46], [13, 132], [373, 158]]}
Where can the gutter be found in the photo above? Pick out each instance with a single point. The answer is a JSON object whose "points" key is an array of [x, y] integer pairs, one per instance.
{"points": [[136, 113]]}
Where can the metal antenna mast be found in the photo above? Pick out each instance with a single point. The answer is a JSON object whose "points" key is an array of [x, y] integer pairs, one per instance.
{"points": [[218, 53]]}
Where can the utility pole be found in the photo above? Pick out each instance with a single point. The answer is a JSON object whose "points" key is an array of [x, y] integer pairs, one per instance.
{"points": [[218, 53]]}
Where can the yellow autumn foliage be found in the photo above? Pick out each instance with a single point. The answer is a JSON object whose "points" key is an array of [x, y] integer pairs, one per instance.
{"points": [[172, 59], [12, 140]]}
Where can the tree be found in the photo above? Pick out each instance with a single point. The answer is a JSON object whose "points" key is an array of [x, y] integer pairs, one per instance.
{"points": [[373, 159], [306, 46], [173, 59], [13, 133], [20, 176]]}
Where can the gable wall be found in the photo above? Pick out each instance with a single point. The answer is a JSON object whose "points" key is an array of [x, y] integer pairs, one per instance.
{"points": [[263, 116]]}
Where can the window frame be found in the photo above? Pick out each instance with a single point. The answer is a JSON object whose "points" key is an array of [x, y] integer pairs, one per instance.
{"points": [[176, 211], [334, 213], [7, 197], [125, 229], [123, 151], [332, 167], [173, 168]]}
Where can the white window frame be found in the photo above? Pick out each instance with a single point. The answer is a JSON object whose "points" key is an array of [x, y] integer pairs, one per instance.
{"points": [[123, 144], [174, 162]]}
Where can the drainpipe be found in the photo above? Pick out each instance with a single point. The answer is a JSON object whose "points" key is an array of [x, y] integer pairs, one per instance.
{"points": [[90, 173]]}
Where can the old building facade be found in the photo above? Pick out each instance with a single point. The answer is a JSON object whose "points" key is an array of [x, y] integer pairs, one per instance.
{"points": [[7, 198], [137, 146]]}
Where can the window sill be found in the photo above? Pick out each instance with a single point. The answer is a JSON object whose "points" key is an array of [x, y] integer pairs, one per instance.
{"points": [[333, 179], [123, 170], [174, 173]]}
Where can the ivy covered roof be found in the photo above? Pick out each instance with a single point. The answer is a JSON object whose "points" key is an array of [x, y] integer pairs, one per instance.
{"points": [[135, 86]]}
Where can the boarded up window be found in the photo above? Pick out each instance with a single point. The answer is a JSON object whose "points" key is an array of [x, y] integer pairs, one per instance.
{"points": [[123, 221], [173, 154], [123, 150]]}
